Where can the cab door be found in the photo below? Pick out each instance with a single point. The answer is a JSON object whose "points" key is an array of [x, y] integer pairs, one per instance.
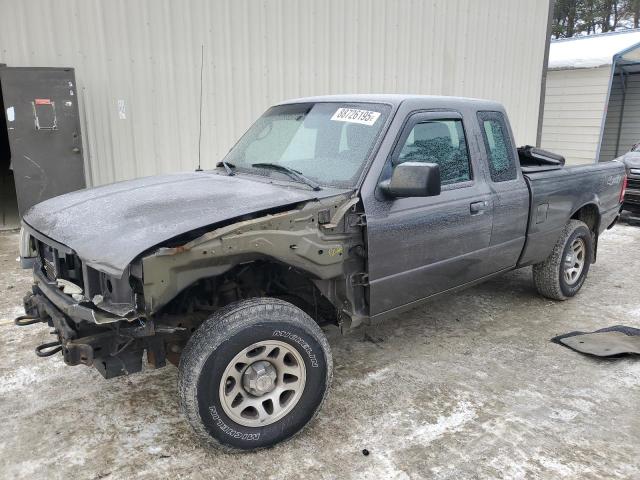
{"points": [[421, 246], [511, 194]]}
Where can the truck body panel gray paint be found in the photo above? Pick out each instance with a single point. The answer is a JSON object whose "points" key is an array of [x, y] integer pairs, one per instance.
{"points": [[187, 244], [109, 226], [563, 192], [416, 247], [422, 246]]}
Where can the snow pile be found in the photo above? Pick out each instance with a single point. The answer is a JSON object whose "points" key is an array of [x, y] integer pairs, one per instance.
{"points": [[590, 51]]}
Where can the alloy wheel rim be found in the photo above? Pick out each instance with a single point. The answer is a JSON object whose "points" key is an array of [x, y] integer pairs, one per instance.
{"points": [[262, 383], [574, 261]]}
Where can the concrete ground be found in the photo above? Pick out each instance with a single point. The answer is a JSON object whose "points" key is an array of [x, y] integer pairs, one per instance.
{"points": [[465, 387]]}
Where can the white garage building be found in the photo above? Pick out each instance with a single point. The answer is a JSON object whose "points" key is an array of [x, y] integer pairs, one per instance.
{"points": [[258, 52], [137, 66], [592, 100]]}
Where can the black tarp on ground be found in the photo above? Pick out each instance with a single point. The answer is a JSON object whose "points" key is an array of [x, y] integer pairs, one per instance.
{"points": [[606, 342]]}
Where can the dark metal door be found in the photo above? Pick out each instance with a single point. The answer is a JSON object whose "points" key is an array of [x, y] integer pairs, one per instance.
{"points": [[421, 246], [511, 204], [41, 109]]}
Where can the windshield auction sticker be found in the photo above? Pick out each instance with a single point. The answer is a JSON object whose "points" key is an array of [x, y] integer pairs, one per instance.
{"points": [[353, 115]]}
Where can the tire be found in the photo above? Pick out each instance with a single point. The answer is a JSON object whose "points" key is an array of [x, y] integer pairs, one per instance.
{"points": [[224, 346], [550, 276]]}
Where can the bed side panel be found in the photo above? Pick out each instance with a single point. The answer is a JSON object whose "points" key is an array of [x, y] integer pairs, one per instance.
{"points": [[558, 194]]}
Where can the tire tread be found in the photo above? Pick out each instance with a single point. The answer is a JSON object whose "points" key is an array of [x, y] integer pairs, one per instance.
{"points": [[546, 274], [220, 327]]}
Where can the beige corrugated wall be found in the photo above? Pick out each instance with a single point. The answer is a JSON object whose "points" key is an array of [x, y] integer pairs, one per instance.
{"points": [[574, 107], [630, 131], [257, 52]]}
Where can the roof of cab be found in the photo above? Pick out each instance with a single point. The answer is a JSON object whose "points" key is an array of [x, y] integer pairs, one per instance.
{"points": [[397, 99]]}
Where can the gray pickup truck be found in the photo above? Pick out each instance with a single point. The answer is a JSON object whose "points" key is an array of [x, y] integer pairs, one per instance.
{"points": [[336, 210]]}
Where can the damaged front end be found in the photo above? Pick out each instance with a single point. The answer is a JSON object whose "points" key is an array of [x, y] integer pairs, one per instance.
{"points": [[310, 255], [81, 291], [313, 252], [114, 349], [99, 320]]}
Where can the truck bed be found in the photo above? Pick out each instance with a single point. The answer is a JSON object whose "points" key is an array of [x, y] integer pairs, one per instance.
{"points": [[534, 159], [556, 190]]}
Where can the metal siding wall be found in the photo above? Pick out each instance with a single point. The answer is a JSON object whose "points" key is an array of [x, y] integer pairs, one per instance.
{"points": [[573, 112], [630, 131], [258, 52]]}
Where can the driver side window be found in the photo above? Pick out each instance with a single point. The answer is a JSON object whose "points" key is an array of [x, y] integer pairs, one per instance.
{"points": [[441, 142]]}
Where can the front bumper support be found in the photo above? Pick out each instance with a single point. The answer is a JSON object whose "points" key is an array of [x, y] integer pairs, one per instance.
{"points": [[112, 350]]}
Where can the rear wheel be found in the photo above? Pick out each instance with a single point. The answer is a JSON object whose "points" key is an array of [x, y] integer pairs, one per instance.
{"points": [[564, 271], [254, 374]]}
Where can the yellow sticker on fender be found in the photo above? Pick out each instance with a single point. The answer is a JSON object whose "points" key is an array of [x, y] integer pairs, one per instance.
{"points": [[353, 115]]}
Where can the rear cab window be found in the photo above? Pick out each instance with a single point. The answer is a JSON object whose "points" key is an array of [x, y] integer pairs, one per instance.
{"points": [[497, 143], [440, 141]]}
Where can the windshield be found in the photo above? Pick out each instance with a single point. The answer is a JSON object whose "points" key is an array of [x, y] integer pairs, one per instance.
{"points": [[325, 142]]}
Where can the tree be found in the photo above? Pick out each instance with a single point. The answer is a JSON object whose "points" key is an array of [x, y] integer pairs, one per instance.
{"points": [[586, 17], [634, 7]]}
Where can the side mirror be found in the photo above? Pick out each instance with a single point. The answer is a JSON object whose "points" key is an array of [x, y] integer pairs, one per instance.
{"points": [[413, 179]]}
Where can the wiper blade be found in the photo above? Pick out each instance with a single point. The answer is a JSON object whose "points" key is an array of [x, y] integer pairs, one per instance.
{"points": [[227, 166], [293, 173]]}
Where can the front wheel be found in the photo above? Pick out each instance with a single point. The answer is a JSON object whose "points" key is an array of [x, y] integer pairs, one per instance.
{"points": [[254, 374], [564, 271]]}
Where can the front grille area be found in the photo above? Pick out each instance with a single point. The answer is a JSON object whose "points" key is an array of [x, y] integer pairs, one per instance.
{"points": [[49, 270], [56, 264], [632, 197], [47, 256]]}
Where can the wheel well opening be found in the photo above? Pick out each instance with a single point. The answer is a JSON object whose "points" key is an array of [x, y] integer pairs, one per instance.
{"points": [[588, 214], [251, 280]]}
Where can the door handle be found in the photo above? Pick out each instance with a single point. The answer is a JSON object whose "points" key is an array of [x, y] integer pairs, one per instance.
{"points": [[477, 208]]}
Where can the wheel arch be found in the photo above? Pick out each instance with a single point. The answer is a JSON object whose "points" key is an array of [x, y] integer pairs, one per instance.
{"points": [[251, 278], [589, 214]]}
